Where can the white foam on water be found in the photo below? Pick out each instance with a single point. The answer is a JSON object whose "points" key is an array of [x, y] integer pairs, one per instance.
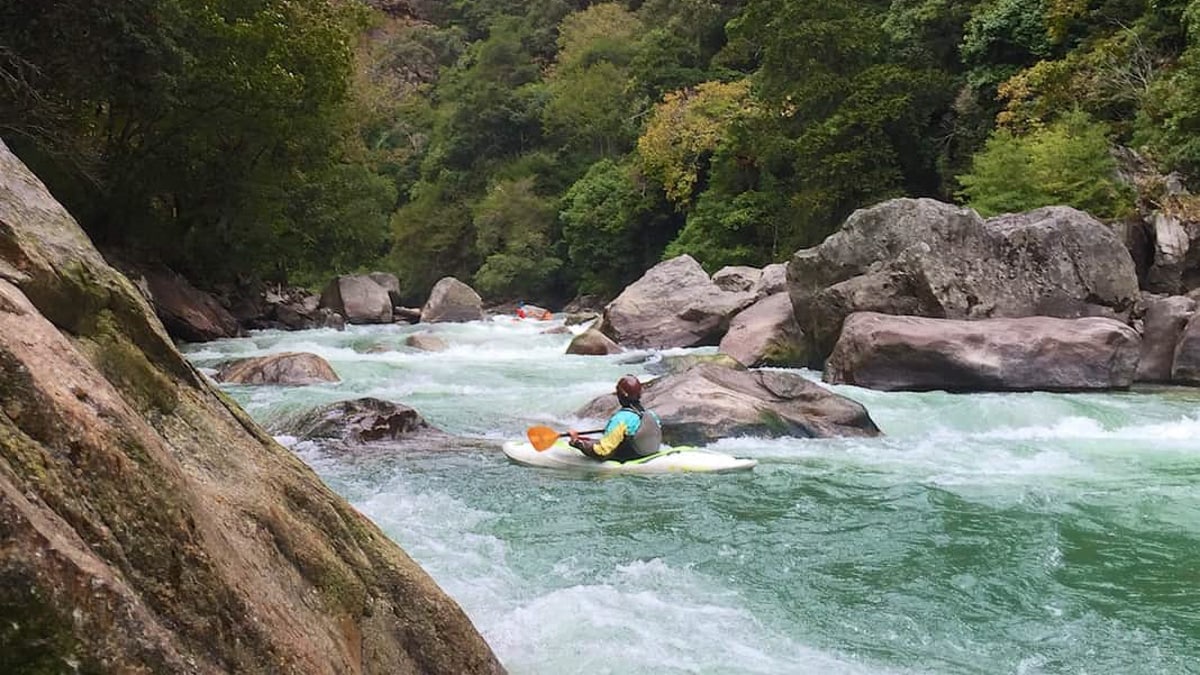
{"points": [[547, 605], [647, 617]]}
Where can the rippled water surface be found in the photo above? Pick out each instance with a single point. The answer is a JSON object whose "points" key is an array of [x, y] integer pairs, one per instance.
{"points": [[1014, 533]]}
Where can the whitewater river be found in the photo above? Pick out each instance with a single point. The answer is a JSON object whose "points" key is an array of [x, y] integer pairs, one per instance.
{"points": [[1014, 533]]}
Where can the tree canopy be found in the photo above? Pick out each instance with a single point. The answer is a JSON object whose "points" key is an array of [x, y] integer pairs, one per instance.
{"points": [[550, 148]]}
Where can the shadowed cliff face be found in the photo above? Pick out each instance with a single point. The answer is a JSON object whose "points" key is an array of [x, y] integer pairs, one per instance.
{"points": [[148, 525]]}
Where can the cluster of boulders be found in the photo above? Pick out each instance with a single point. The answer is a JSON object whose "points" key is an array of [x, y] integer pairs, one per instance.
{"points": [[910, 294], [192, 315], [917, 294]]}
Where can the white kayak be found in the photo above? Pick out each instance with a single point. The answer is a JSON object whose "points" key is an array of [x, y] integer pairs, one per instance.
{"points": [[669, 460]]}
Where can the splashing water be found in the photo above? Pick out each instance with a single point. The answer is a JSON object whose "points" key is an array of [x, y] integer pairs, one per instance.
{"points": [[989, 533]]}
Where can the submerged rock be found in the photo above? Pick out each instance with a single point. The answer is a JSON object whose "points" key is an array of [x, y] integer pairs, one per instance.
{"points": [[359, 421]]}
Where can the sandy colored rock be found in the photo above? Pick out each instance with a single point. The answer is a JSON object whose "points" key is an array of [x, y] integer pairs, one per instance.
{"points": [[147, 525], [290, 368]]}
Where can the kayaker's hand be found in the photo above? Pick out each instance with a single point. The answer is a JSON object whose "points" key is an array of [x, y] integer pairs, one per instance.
{"points": [[576, 442]]}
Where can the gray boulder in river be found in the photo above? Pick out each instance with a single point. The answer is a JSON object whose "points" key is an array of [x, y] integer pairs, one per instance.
{"points": [[452, 301], [359, 298], [147, 524], [363, 421], [286, 368], [709, 401], [922, 257], [1038, 353], [674, 304]]}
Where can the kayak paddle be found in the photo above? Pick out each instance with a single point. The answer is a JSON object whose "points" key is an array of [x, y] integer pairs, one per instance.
{"points": [[542, 438]]}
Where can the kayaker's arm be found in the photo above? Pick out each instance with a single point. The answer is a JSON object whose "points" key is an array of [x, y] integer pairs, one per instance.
{"points": [[603, 448]]}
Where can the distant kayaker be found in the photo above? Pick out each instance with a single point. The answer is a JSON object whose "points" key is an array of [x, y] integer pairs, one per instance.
{"points": [[525, 311], [631, 432]]}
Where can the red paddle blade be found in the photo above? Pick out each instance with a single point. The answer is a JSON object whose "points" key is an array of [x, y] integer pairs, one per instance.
{"points": [[541, 438]]}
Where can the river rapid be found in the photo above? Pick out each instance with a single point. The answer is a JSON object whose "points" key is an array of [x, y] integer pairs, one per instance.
{"points": [[986, 533]]}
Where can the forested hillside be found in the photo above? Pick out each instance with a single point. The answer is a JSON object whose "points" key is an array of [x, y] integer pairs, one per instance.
{"points": [[548, 148]]}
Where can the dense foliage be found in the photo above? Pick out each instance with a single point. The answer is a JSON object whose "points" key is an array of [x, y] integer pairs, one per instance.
{"points": [[548, 148]]}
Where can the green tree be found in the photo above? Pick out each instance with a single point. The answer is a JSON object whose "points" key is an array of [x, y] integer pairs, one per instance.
{"points": [[848, 114], [590, 110], [685, 130], [614, 228], [513, 228], [1168, 122], [182, 128], [1067, 162]]}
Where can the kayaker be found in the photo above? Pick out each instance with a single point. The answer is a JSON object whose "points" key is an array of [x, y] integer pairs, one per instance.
{"points": [[525, 311], [631, 432]]}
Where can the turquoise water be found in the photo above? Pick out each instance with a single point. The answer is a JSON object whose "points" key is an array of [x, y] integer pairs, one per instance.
{"points": [[991, 533]]}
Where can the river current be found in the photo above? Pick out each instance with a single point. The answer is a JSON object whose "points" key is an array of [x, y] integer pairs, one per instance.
{"points": [[984, 533]]}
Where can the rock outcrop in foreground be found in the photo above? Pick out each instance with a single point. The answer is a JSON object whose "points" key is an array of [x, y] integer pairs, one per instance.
{"points": [[147, 525]]}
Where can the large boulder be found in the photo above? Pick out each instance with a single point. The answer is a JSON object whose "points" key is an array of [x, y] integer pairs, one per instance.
{"points": [[672, 364], [358, 298], [891, 353], [674, 304], [390, 283], [1186, 366], [773, 280], [764, 334], [592, 342], [452, 301], [1163, 326], [286, 368], [147, 524], [188, 313], [360, 421], [737, 277], [710, 401], [426, 342], [926, 258], [1171, 243]]}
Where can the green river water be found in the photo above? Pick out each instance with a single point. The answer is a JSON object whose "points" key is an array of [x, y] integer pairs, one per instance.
{"points": [[990, 533]]}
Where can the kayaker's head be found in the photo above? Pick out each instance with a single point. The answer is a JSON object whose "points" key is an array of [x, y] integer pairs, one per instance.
{"points": [[629, 390]]}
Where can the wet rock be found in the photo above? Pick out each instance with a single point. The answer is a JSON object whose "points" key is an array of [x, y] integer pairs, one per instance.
{"points": [[674, 304], [709, 402], [892, 353], [592, 342], [452, 301], [287, 368], [359, 299], [360, 421], [765, 334], [426, 342]]}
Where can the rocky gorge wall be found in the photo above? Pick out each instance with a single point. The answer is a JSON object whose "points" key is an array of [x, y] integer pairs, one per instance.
{"points": [[147, 525]]}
